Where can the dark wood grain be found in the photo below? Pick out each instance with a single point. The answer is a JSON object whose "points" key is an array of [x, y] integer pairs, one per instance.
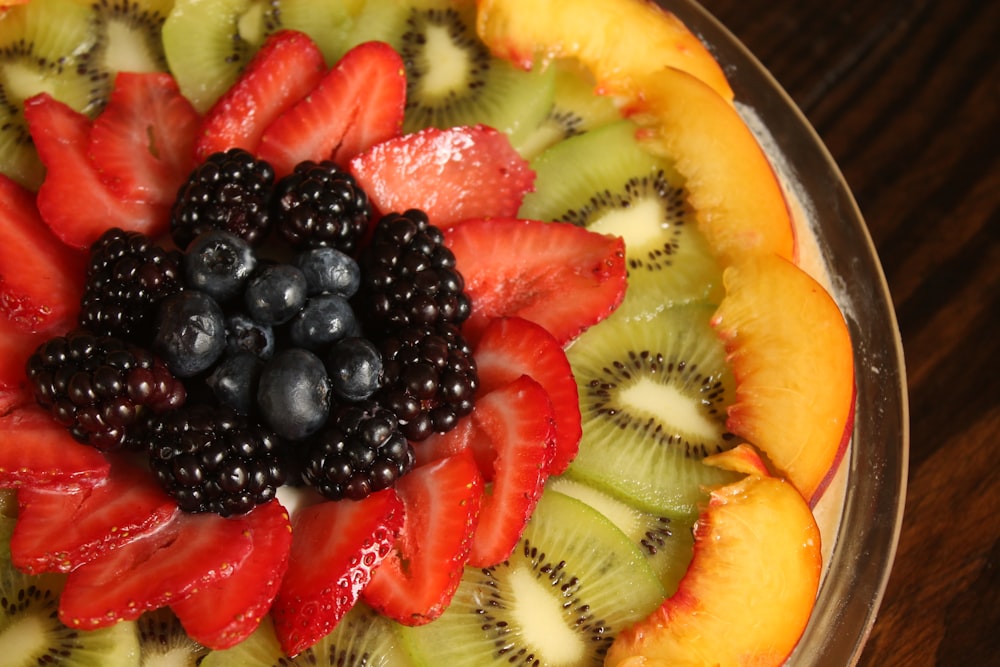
{"points": [[905, 95]]}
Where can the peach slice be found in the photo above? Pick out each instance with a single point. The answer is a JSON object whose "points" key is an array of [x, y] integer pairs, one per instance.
{"points": [[751, 585], [792, 359], [619, 41], [738, 200]]}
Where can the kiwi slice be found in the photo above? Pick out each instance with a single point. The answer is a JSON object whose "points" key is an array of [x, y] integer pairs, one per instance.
{"points": [[130, 36], [667, 542], [44, 47], [575, 109], [653, 401], [163, 642], [560, 598], [30, 631], [208, 43], [362, 638], [604, 180], [452, 79], [328, 23]]}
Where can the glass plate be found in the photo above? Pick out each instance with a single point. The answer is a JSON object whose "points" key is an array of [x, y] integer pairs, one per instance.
{"points": [[870, 506]]}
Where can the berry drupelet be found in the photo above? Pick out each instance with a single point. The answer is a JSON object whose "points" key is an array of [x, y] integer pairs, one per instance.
{"points": [[359, 452], [409, 275], [211, 460], [429, 378], [230, 191], [318, 204], [102, 389], [127, 275]]}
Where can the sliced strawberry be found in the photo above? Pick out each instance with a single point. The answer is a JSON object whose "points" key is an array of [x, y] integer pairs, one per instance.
{"points": [[283, 71], [226, 612], [558, 275], [516, 424], [36, 451], [513, 346], [142, 143], [452, 175], [58, 530], [442, 445], [358, 104], [16, 346], [40, 284], [186, 554], [72, 199], [419, 577], [335, 548]]}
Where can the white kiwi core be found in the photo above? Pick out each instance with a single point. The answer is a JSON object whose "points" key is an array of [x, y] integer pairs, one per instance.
{"points": [[449, 64], [640, 224], [653, 399], [542, 622]]}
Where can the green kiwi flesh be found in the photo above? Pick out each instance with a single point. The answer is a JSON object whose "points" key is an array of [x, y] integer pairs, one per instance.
{"points": [[604, 180], [452, 79], [556, 601], [328, 23], [163, 642], [362, 638], [653, 401], [667, 542], [30, 631]]}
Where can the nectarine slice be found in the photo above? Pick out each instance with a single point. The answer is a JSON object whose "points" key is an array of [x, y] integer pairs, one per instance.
{"points": [[751, 585], [619, 41], [790, 352], [738, 200]]}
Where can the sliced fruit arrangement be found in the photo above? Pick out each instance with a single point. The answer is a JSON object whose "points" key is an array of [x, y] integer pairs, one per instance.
{"points": [[474, 296]]}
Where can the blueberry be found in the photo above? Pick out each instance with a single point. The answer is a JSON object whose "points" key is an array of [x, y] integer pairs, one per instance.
{"points": [[355, 368], [190, 332], [244, 334], [293, 394], [234, 381], [219, 263], [324, 319], [275, 293], [329, 270]]}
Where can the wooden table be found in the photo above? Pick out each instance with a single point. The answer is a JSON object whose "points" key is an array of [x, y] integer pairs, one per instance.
{"points": [[905, 95]]}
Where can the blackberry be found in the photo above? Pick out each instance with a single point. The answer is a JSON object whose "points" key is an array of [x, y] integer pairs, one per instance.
{"points": [[359, 452], [127, 276], [429, 378], [210, 459], [318, 204], [102, 388], [230, 191], [409, 275]]}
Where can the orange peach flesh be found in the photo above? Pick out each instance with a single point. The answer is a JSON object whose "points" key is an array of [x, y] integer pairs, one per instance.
{"points": [[751, 585], [529, 33]]}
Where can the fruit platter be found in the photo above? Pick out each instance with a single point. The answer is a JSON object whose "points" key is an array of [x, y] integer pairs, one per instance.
{"points": [[413, 332]]}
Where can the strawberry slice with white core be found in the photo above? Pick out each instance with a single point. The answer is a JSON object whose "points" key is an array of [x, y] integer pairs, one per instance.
{"points": [[142, 143], [335, 548], [226, 612], [57, 529], [358, 104], [40, 284], [185, 555], [513, 346], [516, 427], [73, 200], [419, 577], [283, 71], [36, 451], [555, 274], [451, 175]]}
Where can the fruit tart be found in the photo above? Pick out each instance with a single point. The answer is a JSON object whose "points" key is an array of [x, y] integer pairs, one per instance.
{"points": [[399, 332]]}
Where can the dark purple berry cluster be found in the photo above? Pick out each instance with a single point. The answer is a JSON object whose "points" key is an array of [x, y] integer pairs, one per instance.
{"points": [[240, 366]]}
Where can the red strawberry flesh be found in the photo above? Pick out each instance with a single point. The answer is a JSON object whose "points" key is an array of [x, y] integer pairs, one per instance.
{"points": [[417, 580], [58, 530], [283, 71], [555, 274], [224, 613], [335, 548], [452, 175], [511, 347], [357, 105]]}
